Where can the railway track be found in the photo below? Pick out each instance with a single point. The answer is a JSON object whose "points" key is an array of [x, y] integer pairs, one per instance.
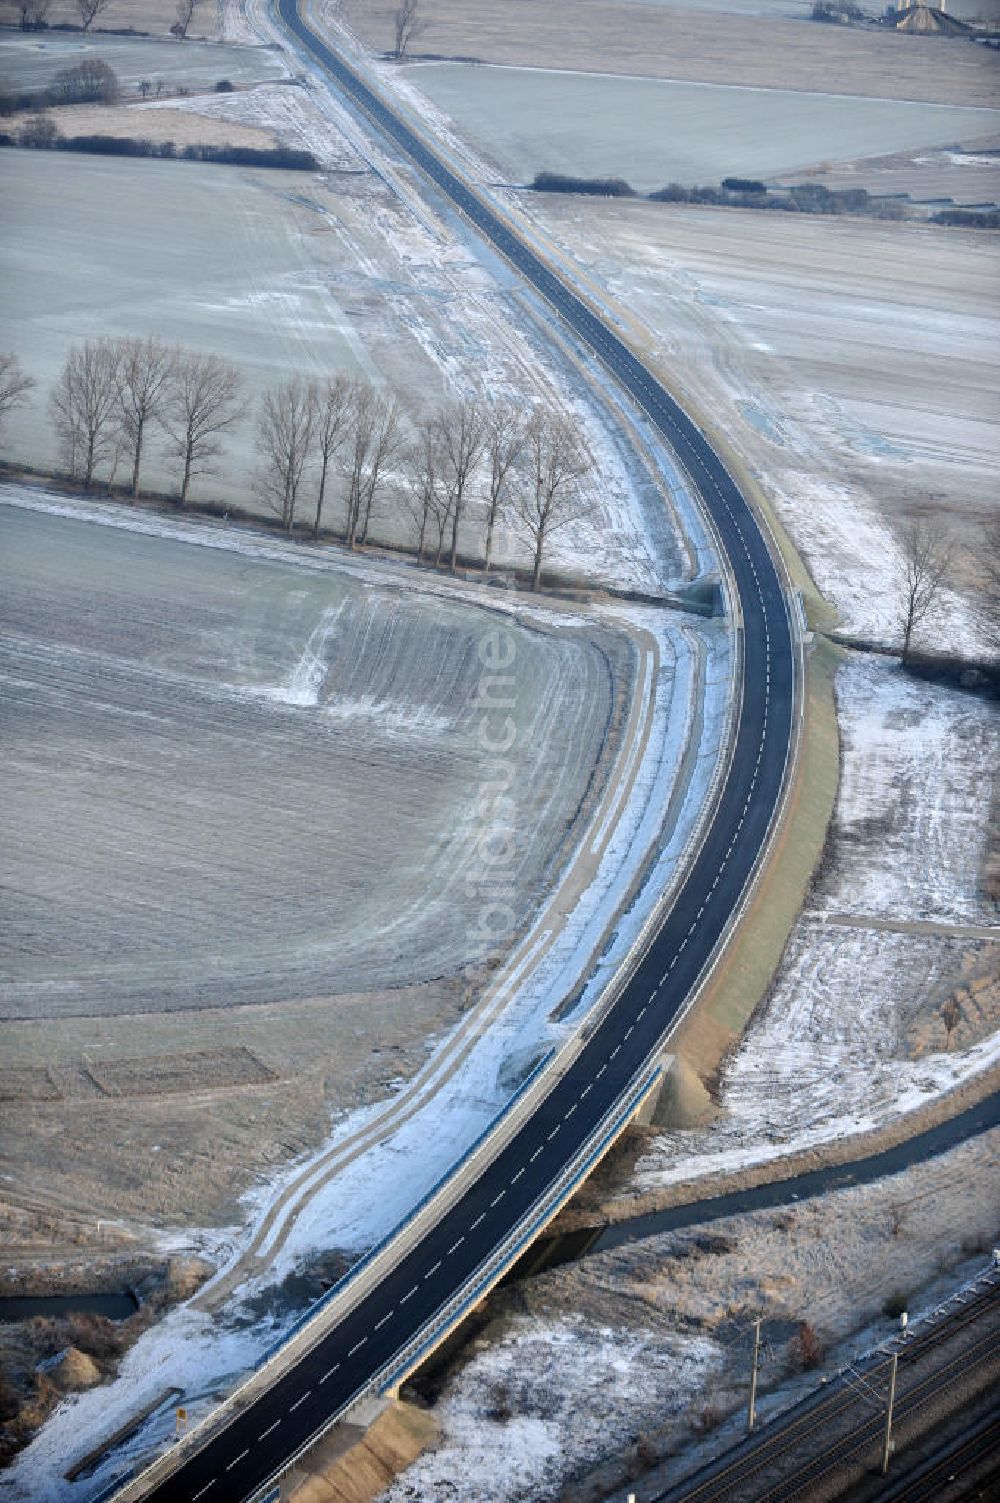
{"points": [[977, 1446], [744, 1473]]}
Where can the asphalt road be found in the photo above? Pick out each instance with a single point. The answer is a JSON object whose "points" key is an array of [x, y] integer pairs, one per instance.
{"points": [[262, 1438]]}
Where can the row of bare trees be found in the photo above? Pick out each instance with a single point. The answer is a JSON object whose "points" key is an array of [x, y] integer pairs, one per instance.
{"points": [[34, 14], [345, 439], [339, 439], [524, 469], [111, 393]]}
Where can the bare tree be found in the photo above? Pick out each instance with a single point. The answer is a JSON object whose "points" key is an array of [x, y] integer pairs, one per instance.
{"points": [[806, 1349], [335, 403], [927, 554], [202, 403], [550, 496], [145, 374], [284, 440], [463, 436], [15, 384], [87, 81], [90, 10], [376, 439], [951, 1016], [387, 441], [408, 25], [185, 12], [428, 495], [505, 438], [84, 404], [34, 14], [990, 565]]}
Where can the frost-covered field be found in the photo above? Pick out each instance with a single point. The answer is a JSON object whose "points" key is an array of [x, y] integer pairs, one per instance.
{"points": [[652, 131], [292, 274], [763, 43], [30, 61], [849, 1036], [239, 792], [853, 366], [233, 778], [230, 646]]}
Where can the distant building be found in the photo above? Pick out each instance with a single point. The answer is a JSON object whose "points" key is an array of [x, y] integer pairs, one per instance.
{"points": [[929, 20]]}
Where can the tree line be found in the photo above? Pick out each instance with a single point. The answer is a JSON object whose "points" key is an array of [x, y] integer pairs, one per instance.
{"points": [[733, 193], [40, 133], [524, 469], [33, 15], [342, 443], [337, 443]]}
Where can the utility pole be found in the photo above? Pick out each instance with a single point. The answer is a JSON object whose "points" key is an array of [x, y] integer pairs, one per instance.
{"points": [[752, 1411], [887, 1447]]}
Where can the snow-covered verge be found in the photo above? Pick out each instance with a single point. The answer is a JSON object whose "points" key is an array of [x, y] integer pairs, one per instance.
{"points": [[545, 1399], [882, 943]]}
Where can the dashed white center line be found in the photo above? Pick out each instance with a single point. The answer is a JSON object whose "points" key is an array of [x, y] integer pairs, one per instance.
{"points": [[413, 1291], [601, 1071], [237, 1459], [292, 1407], [616, 1050], [552, 1133], [329, 1372], [497, 1199], [629, 1030], [455, 1246], [477, 1221], [380, 1323], [535, 1155], [270, 1430], [568, 1114], [639, 1014], [432, 1271], [197, 1495], [357, 1346], [588, 1088], [517, 1176]]}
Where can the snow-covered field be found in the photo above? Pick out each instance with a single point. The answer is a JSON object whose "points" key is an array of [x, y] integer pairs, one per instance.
{"points": [[31, 60], [831, 1051], [654, 131], [304, 275], [853, 367], [545, 1399]]}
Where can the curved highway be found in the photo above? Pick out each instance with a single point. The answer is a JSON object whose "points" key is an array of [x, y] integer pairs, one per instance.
{"points": [[265, 1433]]}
